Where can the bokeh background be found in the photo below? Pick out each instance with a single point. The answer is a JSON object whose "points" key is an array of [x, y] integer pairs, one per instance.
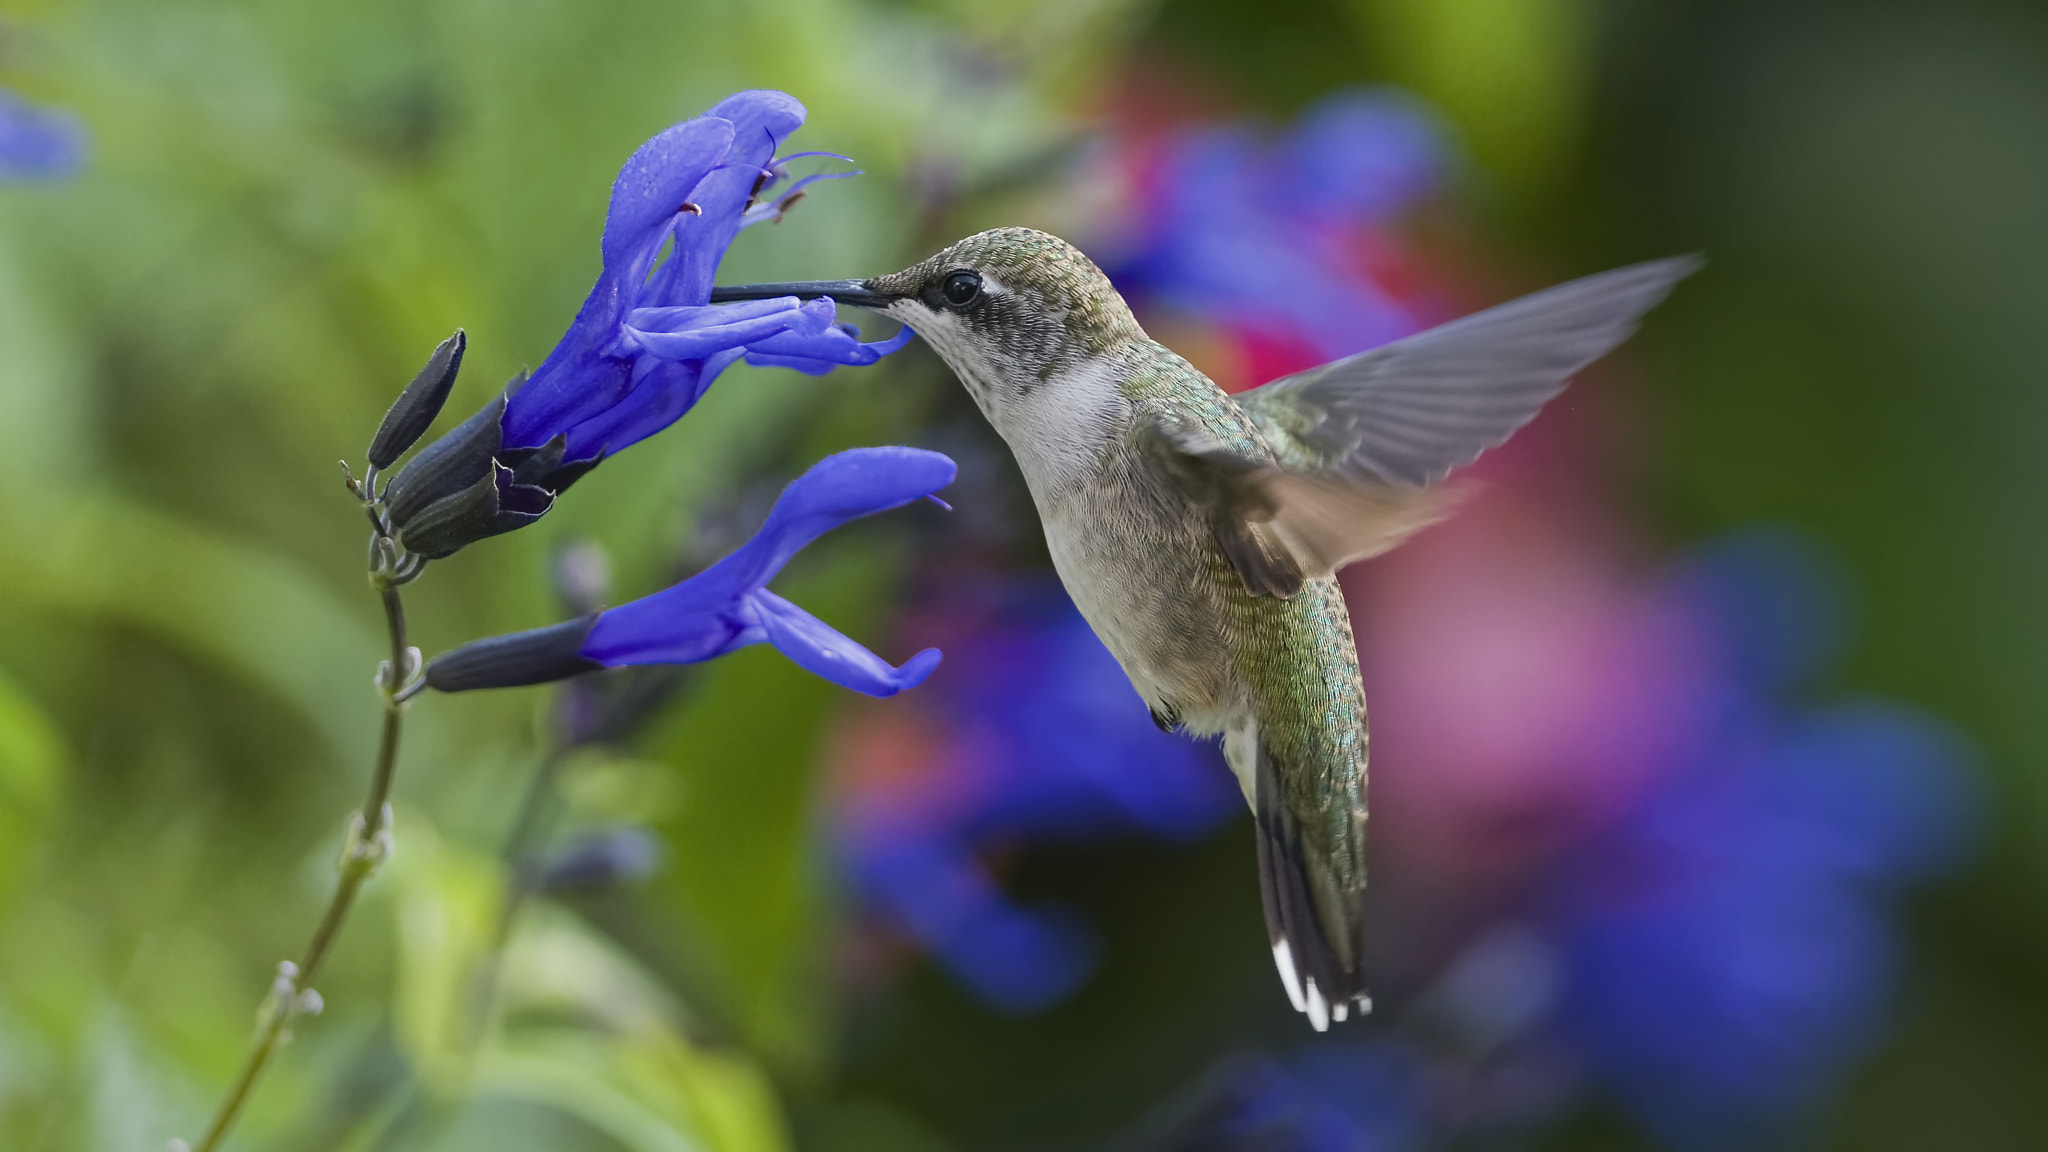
{"points": [[1708, 790]]}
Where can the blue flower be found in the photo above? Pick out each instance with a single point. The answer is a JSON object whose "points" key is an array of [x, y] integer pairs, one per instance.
{"points": [[728, 607], [1264, 236], [939, 891], [1041, 739], [38, 143], [644, 348], [1727, 948], [1336, 1096], [598, 859]]}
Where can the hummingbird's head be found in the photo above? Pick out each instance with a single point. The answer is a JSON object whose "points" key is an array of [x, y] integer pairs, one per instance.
{"points": [[1008, 310]]}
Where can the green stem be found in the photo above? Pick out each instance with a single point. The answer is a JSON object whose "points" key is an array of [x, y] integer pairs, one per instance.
{"points": [[369, 833]]}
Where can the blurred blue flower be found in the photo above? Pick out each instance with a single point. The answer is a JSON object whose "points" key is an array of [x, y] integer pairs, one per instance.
{"points": [[727, 606], [1720, 952], [1727, 949], [38, 143], [644, 348], [1265, 236], [1042, 739], [1336, 1096], [599, 859]]}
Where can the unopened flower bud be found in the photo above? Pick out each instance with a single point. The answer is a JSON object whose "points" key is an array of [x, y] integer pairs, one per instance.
{"points": [[414, 410], [448, 466], [534, 657]]}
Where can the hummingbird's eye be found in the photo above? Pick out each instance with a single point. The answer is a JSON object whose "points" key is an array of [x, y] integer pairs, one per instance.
{"points": [[961, 288]]}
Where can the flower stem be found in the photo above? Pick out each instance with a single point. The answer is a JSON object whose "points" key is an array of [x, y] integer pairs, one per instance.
{"points": [[369, 842]]}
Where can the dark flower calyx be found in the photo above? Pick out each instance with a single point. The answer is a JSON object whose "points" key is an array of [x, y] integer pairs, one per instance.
{"points": [[414, 410], [447, 466], [534, 657], [543, 467], [496, 503]]}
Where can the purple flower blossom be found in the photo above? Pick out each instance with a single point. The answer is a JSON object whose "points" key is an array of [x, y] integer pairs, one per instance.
{"points": [[1718, 951], [728, 607], [1264, 236], [1714, 960], [1039, 736], [1337, 1096], [646, 343], [1727, 947], [598, 859], [644, 348], [38, 143]]}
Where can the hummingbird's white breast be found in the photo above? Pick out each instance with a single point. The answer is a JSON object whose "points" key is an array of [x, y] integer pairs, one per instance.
{"points": [[1132, 551]]}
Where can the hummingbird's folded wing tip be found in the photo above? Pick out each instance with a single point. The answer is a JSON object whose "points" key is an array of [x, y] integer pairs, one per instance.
{"points": [[1321, 982]]}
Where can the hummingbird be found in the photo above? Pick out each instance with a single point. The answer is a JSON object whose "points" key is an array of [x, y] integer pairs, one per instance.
{"points": [[1199, 532]]}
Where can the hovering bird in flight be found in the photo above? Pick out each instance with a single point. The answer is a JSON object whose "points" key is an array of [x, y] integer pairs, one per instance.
{"points": [[1199, 532]]}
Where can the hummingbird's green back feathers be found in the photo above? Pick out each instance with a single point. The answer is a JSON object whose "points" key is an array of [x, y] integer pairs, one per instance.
{"points": [[1304, 749], [1297, 742]]}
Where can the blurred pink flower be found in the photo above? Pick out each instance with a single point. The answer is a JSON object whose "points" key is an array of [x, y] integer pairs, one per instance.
{"points": [[1524, 683]]}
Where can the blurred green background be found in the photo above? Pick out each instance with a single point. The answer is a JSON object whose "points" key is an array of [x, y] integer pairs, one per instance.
{"points": [[290, 203]]}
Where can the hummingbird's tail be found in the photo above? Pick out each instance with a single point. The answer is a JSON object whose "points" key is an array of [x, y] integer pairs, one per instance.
{"points": [[1314, 904]]}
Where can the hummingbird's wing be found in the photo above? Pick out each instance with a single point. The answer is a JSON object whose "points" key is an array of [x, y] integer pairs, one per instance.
{"points": [[1407, 413], [1278, 528], [1361, 444]]}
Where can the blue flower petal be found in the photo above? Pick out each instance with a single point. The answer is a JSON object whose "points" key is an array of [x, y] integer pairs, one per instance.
{"points": [[694, 621], [761, 121], [816, 647], [662, 393], [645, 346], [852, 484], [726, 607], [656, 181], [821, 352], [882, 348], [698, 341], [584, 376], [808, 365], [683, 317]]}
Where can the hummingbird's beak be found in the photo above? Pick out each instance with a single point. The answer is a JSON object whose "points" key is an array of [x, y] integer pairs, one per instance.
{"points": [[855, 292]]}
